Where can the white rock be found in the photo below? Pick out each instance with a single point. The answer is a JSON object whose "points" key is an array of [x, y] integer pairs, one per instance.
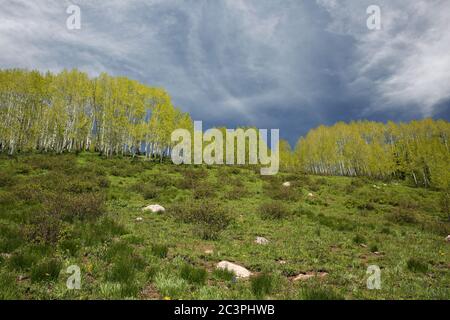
{"points": [[155, 208], [287, 184], [139, 219], [238, 270], [310, 195], [303, 277], [261, 240], [448, 238], [309, 275]]}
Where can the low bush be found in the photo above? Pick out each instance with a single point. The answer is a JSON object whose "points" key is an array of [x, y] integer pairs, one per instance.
{"points": [[43, 228], [262, 285], [273, 210], [193, 275], [170, 286], [223, 274], [417, 265], [203, 190], [6, 179], [46, 271], [359, 239], [160, 250], [209, 217], [401, 216]]}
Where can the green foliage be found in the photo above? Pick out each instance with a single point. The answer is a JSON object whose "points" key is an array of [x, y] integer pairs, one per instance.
{"points": [[273, 210], [401, 216], [8, 289], [209, 217], [193, 275], [46, 270], [44, 223], [170, 286], [160, 250], [417, 265], [359, 239], [417, 151], [223, 274], [262, 285]]}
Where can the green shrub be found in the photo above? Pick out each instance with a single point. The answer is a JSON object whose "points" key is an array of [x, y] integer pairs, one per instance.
{"points": [[29, 192], [23, 259], [236, 193], [203, 190], [170, 286], [401, 216], [262, 285], [191, 177], [273, 210], [283, 193], [102, 230], [8, 287], [7, 198], [46, 271], [122, 271], [118, 250], [305, 211], [359, 239], [193, 275], [417, 265], [43, 228], [87, 206], [223, 274], [22, 168], [160, 250], [70, 246], [11, 238], [6, 179], [209, 217]]}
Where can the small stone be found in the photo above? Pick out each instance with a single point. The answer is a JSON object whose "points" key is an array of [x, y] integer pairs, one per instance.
{"points": [[363, 245], [310, 195], [22, 278], [304, 276], [209, 251], [281, 262], [155, 208], [309, 275], [139, 219], [261, 240], [287, 184], [448, 238], [238, 270]]}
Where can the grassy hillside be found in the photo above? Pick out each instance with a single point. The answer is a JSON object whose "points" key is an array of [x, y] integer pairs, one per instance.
{"points": [[57, 211]]}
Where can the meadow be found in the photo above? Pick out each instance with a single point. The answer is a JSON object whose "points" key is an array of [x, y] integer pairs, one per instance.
{"points": [[86, 210]]}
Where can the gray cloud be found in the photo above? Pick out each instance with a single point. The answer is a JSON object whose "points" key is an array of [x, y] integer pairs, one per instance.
{"points": [[275, 64]]}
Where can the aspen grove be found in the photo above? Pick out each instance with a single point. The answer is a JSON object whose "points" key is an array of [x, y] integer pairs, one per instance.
{"points": [[71, 112]]}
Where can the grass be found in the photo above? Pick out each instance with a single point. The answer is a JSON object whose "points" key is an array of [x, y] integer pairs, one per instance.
{"points": [[417, 265], [160, 250], [61, 210], [193, 275], [262, 285]]}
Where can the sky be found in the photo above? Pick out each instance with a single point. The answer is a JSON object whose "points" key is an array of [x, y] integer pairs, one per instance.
{"points": [[274, 64]]}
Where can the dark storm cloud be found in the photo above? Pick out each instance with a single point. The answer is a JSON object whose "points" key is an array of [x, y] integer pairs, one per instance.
{"points": [[274, 64]]}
